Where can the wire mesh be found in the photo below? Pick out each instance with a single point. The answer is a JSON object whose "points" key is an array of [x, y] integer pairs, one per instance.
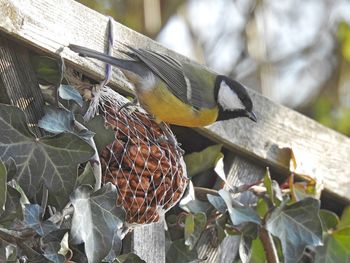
{"points": [[147, 169]]}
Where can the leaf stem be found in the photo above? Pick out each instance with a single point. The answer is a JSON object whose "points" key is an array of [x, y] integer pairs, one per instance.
{"points": [[269, 246]]}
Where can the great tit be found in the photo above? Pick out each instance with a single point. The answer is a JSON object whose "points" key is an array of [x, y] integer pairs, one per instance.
{"points": [[179, 93]]}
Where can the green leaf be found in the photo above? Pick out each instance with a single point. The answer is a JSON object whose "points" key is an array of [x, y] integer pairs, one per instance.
{"points": [[51, 252], [8, 252], [336, 248], [198, 162], [87, 177], [189, 203], [103, 135], [57, 120], [218, 203], [32, 218], [68, 92], [129, 258], [261, 207], [47, 69], [344, 219], [180, 253], [51, 160], [3, 186], [268, 185], [329, 219], [248, 233], [97, 221], [194, 226], [220, 231], [245, 248], [238, 213], [257, 252], [13, 208], [297, 226]]}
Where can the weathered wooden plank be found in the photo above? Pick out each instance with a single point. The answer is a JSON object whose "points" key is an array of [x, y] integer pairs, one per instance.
{"points": [[239, 172], [148, 242], [320, 152]]}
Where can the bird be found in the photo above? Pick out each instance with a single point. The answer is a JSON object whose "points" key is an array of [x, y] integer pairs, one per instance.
{"points": [[178, 92]]}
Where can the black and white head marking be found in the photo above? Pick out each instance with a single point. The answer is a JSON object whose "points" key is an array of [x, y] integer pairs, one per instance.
{"points": [[228, 98]]}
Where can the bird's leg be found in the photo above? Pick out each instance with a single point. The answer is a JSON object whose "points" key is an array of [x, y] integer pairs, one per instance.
{"points": [[170, 138], [128, 104]]}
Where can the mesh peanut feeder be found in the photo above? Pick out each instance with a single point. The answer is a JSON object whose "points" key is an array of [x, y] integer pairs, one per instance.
{"points": [[149, 173]]}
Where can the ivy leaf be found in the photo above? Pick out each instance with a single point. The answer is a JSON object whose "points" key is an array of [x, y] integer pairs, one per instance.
{"points": [[190, 204], [129, 258], [218, 203], [297, 226], [51, 252], [96, 220], [57, 120], [32, 218], [103, 135], [13, 208], [8, 252], [194, 226], [329, 220], [198, 162], [3, 186], [257, 252], [336, 247], [268, 184], [180, 253], [68, 92], [262, 207], [87, 177], [238, 213], [51, 160], [245, 248]]}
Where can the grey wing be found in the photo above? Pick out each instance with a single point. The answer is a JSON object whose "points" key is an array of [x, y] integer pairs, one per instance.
{"points": [[171, 72]]}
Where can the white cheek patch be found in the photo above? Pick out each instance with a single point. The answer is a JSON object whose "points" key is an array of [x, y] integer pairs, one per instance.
{"points": [[147, 83], [228, 99]]}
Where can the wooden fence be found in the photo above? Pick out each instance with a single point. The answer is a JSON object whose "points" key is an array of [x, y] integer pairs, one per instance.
{"points": [[48, 27]]}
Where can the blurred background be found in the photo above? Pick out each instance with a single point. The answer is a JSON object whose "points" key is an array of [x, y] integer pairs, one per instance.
{"points": [[296, 52]]}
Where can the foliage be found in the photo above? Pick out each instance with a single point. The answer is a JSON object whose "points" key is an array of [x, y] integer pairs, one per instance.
{"points": [[291, 216], [49, 210]]}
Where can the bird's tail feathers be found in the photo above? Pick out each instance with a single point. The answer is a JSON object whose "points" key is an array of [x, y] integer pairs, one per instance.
{"points": [[129, 65]]}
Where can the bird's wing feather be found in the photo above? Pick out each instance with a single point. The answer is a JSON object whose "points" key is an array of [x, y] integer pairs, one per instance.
{"points": [[171, 72]]}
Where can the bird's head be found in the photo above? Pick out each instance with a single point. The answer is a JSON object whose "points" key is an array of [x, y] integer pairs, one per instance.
{"points": [[233, 99]]}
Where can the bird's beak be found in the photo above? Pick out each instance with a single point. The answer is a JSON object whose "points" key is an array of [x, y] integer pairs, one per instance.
{"points": [[252, 116]]}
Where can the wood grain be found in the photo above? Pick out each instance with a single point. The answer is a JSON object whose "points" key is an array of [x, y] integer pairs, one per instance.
{"points": [[148, 242], [50, 26]]}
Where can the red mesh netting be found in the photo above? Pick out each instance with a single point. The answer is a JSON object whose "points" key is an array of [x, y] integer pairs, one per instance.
{"points": [[146, 168]]}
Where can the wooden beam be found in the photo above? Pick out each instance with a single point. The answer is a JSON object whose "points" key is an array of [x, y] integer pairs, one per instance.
{"points": [[320, 152], [148, 242]]}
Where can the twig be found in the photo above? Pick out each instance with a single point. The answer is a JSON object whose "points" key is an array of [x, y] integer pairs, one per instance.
{"points": [[269, 246], [204, 191]]}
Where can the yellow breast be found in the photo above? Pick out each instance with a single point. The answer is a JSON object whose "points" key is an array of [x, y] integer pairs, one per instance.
{"points": [[168, 108]]}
